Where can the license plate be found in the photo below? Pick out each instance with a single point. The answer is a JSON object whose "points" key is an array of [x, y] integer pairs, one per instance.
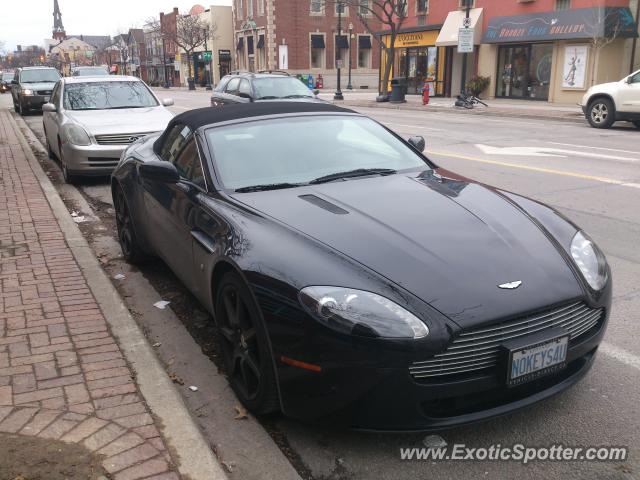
{"points": [[537, 360]]}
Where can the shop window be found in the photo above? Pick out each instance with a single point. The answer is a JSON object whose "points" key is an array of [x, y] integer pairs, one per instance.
{"points": [[364, 51], [563, 5], [317, 7], [422, 7], [341, 43], [317, 51]]}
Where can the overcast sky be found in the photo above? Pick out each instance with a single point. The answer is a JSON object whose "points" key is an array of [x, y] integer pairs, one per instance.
{"points": [[29, 22]]}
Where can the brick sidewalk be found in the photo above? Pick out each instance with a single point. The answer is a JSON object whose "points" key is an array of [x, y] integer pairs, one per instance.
{"points": [[62, 374]]}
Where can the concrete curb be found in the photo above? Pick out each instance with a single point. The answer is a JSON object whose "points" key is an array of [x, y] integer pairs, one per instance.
{"points": [[568, 117], [193, 456]]}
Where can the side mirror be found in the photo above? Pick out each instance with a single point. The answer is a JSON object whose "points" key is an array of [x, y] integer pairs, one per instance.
{"points": [[49, 107], [159, 171], [167, 102], [418, 143]]}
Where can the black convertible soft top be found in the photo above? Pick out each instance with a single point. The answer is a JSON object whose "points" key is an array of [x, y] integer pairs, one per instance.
{"points": [[199, 117]]}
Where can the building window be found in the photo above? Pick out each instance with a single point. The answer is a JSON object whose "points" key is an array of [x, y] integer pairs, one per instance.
{"points": [[364, 51], [260, 7], [422, 7], [404, 8], [250, 8], [317, 51], [339, 7], [466, 3], [317, 7], [563, 5], [365, 8], [341, 43]]}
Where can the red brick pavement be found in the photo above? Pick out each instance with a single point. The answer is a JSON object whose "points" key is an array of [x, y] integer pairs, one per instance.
{"points": [[62, 374]]}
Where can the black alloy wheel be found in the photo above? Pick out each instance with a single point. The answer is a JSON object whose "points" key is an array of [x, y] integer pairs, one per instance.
{"points": [[131, 249], [247, 356]]}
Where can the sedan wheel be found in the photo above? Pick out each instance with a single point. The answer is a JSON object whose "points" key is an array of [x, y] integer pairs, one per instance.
{"points": [[131, 249], [245, 349], [601, 113], [68, 178]]}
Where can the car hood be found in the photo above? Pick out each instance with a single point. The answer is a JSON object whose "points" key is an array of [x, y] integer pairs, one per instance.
{"points": [[39, 85], [126, 120], [448, 241]]}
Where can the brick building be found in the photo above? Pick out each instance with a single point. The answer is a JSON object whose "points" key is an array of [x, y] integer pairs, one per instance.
{"points": [[170, 55], [530, 49], [301, 36]]}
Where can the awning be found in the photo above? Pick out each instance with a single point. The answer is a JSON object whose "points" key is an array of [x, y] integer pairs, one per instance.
{"points": [[364, 42], [342, 42], [580, 23], [448, 36], [317, 41], [240, 45], [260, 42]]}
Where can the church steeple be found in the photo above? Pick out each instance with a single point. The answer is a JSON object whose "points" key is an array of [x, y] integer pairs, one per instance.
{"points": [[58, 28]]}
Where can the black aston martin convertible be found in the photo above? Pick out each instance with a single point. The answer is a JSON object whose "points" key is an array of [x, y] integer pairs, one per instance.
{"points": [[353, 279]]}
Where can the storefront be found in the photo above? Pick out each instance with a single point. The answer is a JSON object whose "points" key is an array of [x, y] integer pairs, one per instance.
{"points": [[418, 59], [556, 56]]}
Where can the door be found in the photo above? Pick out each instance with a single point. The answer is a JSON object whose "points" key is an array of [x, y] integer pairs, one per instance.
{"points": [[52, 120], [629, 96], [513, 72]]}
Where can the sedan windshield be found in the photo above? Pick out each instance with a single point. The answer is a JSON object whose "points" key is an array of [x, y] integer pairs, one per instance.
{"points": [[36, 76], [107, 96], [280, 87], [288, 152]]}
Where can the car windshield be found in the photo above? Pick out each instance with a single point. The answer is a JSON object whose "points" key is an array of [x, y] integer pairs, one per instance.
{"points": [[107, 96], [85, 72], [35, 76], [7, 77], [299, 150], [280, 87]]}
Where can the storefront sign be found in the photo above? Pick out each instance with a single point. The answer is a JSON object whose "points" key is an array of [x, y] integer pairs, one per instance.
{"points": [[465, 40], [598, 22], [575, 67], [414, 39]]}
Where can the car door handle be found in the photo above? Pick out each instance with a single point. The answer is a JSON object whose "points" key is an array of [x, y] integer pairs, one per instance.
{"points": [[204, 240]]}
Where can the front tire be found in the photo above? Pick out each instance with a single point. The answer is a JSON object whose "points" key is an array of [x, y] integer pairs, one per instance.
{"points": [[245, 347], [636, 123], [131, 249], [601, 113], [68, 177]]}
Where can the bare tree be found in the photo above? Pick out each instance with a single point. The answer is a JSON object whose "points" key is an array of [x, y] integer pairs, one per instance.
{"points": [[392, 15], [605, 27]]}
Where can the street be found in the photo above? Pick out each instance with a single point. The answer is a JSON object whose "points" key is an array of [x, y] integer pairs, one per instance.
{"points": [[591, 176]]}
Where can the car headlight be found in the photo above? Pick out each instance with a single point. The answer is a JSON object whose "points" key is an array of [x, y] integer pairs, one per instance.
{"points": [[27, 92], [361, 313], [590, 260], [76, 135]]}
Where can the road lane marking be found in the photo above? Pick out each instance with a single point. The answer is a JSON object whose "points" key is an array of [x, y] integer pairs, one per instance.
{"points": [[420, 127], [552, 171], [620, 354], [547, 152], [589, 146]]}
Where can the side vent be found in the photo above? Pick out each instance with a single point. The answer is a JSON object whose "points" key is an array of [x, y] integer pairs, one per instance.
{"points": [[319, 202]]}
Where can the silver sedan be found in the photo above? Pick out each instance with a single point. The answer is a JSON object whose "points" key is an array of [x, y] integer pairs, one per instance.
{"points": [[90, 121]]}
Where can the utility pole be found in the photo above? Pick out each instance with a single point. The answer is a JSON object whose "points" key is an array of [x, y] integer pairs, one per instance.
{"points": [[338, 95], [349, 86], [463, 81]]}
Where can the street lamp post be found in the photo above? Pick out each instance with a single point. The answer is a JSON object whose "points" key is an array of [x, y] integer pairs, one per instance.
{"points": [[206, 46], [349, 86], [338, 95]]}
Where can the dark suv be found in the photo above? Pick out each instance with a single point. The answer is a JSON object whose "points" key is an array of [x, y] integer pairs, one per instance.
{"points": [[32, 87], [247, 87]]}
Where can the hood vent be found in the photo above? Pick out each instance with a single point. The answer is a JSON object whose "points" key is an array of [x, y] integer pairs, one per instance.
{"points": [[319, 202]]}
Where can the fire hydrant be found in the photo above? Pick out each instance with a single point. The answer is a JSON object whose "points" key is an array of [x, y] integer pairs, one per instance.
{"points": [[425, 93]]}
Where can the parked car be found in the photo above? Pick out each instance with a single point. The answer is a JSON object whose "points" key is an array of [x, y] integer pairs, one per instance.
{"points": [[247, 87], [91, 120], [350, 277], [32, 87], [89, 71], [5, 81], [607, 103]]}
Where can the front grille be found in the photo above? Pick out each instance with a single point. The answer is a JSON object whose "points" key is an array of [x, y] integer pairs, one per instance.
{"points": [[44, 92], [120, 138], [479, 349]]}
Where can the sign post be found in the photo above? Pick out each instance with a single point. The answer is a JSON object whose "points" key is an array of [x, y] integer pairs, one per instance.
{"points": [[465, 37]]}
